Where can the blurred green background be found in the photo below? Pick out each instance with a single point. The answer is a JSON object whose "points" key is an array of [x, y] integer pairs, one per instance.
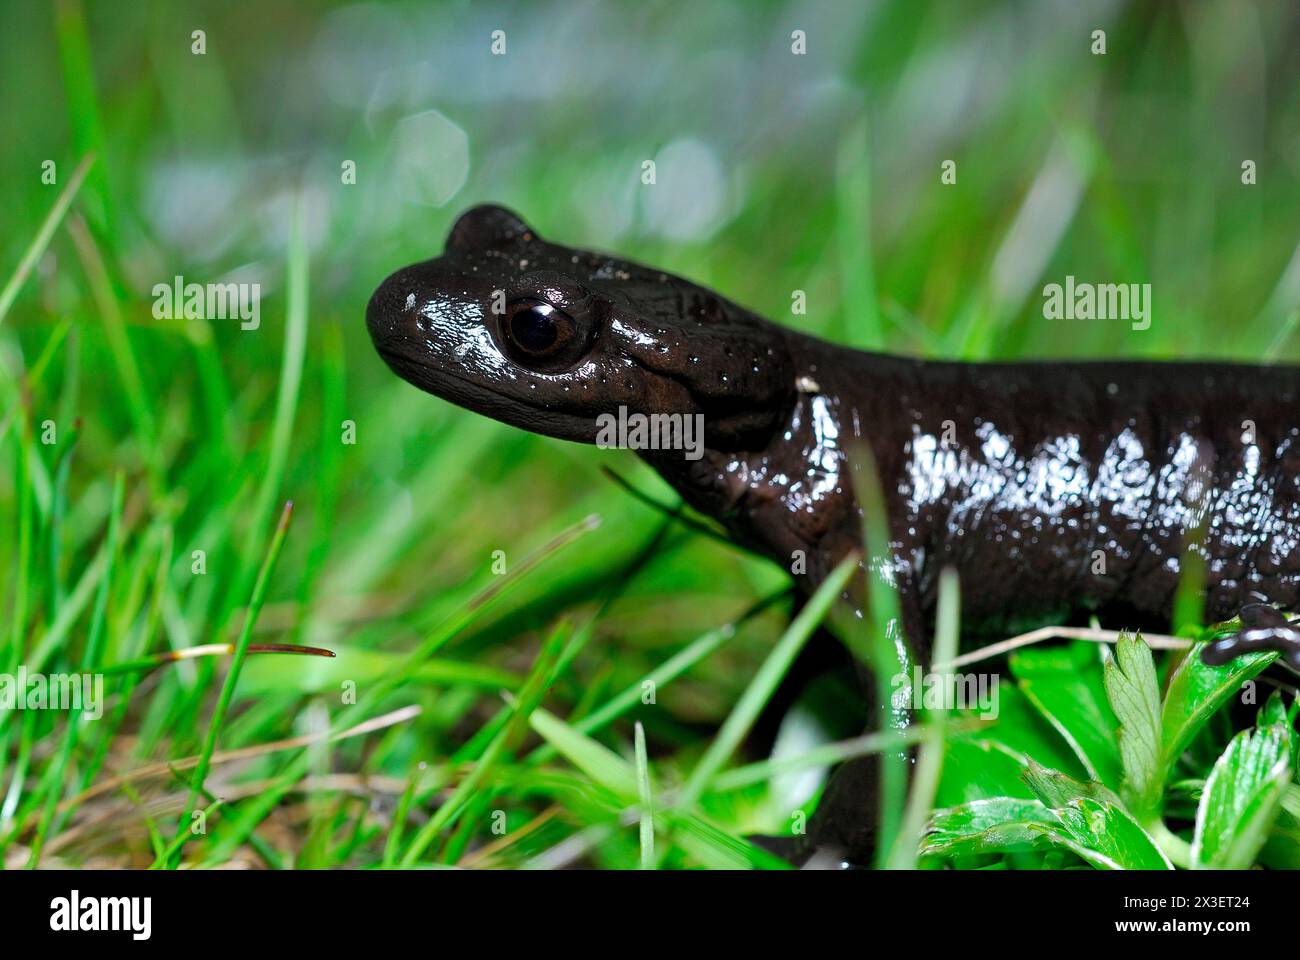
{"points": [[775, 172]]}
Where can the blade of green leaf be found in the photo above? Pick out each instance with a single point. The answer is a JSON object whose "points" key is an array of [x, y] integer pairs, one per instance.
{"points": [[880, 641], [701, 839], [991, 825], [1018, 733], [765, 681], [1108, 837], [646, 800], [534, 689], [1065, 685], [232, 680], [362, 666], [977, 768], [1134, 694], [42, 239], [1100, 829], [593, 758], [1056, 789], [1195, 692], [929, 764], [1241, 799]]}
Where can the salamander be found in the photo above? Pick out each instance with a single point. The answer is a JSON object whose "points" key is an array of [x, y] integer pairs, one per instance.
{"points": [[1054, 489]]}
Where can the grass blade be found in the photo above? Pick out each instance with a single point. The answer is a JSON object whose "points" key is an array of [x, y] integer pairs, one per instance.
{"points": [[765, 681], [94, 645], [535, 687], [232, 677], [42, 239], [645, 798], [929, 764]]}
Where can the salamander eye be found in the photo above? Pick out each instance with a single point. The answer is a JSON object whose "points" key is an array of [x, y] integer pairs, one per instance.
{"points": [[542, 337]]}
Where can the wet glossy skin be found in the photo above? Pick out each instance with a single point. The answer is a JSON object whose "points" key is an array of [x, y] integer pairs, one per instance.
{"points": [[1055, 489]]}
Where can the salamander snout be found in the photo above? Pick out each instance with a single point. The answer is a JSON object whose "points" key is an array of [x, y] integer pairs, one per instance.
{"points": [[426, 307], [428, 317], [384, 312]]}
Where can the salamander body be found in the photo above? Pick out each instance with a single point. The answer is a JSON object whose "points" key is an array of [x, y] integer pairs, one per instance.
{"points": [[1055, 489]]}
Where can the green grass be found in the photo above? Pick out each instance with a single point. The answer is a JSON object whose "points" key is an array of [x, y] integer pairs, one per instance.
{"points": [[636, 653]]}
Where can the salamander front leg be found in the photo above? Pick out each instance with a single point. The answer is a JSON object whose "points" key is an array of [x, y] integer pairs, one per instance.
{"points": [[1262, 628]]}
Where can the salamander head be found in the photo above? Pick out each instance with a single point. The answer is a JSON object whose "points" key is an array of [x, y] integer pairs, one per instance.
{"points": [[548, 339]]}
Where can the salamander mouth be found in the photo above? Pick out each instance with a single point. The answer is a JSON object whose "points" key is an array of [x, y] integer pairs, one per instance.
{"points": [[537, 417]]}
